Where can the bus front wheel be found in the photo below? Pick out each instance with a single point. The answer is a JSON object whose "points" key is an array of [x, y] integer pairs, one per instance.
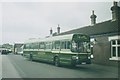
{"points": [[73, 63], [57, 61], [30, 57]]}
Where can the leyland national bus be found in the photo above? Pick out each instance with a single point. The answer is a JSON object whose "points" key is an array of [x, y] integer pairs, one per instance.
{"points": [[70, 49]]}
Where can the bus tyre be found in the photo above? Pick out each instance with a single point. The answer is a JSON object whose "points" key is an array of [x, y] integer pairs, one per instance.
{"points": [[30, 57], [73, 63], [57, 61]]}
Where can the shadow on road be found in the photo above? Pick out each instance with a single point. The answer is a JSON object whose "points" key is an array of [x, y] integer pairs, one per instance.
{"points": [[83, 67]]}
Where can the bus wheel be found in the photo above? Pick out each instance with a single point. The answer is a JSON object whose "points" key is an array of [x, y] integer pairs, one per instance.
{"points": [[30, 57], [73, 63], [57, 61]]}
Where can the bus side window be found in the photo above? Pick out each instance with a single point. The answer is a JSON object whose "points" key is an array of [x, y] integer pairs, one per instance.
{"points": [[28, 46], [65, 45], [24, 46], [68, 44], [57, 45], [42, 45], [53, 45], [48, 45], [62, 45], [35, 46]]}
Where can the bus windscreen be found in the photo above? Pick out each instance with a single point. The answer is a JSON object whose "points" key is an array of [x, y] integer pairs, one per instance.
{"points": [[80, 44]]}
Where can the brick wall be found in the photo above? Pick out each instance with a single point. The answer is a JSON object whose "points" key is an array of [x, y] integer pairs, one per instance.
{"points": [[102, 52]]}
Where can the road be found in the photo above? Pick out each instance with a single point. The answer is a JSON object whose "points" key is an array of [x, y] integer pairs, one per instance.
{"points": [[16, 66]]}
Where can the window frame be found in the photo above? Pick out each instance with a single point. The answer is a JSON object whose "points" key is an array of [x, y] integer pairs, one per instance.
{"points": [[65, 44], [116, 45]]}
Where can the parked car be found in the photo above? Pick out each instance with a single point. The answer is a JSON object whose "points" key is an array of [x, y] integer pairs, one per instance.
{"points": [[5, 51]]}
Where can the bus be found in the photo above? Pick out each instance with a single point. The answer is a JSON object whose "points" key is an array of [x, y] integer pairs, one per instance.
{"points": [[73, 49]]}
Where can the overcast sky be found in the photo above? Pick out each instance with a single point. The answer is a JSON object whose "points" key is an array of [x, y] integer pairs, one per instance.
{"points": [[24, 20]]}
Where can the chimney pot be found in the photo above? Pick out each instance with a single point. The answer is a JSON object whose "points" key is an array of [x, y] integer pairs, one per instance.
{"points": [[58, 29], [93, 18], [115, 11]]}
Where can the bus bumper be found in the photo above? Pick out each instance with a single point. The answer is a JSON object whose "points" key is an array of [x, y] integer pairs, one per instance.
{"points": [[79, 61]]}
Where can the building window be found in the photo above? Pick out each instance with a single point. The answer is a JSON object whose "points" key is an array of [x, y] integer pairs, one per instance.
{"points": [[119, 51], [115, 48]]}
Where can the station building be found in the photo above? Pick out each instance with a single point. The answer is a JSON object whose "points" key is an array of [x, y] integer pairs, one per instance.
{"points": [[106, 38]]}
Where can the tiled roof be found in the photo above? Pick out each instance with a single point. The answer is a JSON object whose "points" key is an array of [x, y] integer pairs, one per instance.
{"points": [[97, 29]]}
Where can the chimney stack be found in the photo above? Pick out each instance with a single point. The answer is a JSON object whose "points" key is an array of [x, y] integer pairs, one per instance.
{"points": [[93, 18], [58, 29], [115, 11]]}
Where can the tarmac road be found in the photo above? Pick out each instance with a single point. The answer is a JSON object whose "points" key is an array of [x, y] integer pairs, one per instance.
{"points": [[16, 66]]}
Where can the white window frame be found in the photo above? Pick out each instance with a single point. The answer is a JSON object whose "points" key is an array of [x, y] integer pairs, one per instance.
{"points": [[115, 38]]}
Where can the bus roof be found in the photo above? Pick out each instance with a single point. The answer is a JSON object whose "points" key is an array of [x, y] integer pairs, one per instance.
{"points": [[52, 38]]}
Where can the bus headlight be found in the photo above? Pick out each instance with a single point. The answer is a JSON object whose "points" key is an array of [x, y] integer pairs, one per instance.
{"points": [[76, 57], [89, 57]]}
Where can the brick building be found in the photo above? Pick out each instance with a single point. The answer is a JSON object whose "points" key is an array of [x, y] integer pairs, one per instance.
{"points": [[106, 36]]}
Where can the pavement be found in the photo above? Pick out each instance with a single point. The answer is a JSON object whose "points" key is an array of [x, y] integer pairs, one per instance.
{"points": [[107, 69]]}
